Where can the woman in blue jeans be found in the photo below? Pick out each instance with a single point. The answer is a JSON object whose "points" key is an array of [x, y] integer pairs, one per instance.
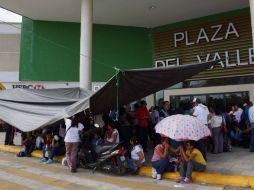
{"points": [[160, 162], [137, 155]]}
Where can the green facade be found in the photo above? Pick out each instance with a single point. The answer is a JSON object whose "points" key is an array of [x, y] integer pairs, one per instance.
{"points": [[50, 50]]}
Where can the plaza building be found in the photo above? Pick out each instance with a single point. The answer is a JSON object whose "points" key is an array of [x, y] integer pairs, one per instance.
{"points": [[134, 34]]}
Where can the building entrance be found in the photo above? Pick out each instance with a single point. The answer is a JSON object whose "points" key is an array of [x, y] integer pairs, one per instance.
{"points": [[223, 100]]}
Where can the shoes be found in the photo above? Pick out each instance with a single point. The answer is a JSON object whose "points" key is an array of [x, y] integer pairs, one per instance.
{"points": [[64, 162], [186, 181], [50, 161], [180, 179], [158, 177], [154, 173], [43, 160]]}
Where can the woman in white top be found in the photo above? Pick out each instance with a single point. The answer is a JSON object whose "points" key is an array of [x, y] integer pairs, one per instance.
{"points": [[216, 124], [72, 141], [137, 155], [112, 135]]}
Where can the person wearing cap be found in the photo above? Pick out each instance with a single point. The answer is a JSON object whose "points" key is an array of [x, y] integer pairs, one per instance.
{"points": [[201, 112]]}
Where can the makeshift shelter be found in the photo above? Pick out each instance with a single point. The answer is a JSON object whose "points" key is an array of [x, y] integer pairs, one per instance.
{"points": [[139, 83], [28, 109]]}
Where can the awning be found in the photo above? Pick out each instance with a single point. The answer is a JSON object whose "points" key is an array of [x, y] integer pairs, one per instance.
{"points": [[139, 83], [29, 110]]}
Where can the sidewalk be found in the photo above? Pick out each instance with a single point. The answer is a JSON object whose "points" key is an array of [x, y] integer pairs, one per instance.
{"points": [[209, 178]]}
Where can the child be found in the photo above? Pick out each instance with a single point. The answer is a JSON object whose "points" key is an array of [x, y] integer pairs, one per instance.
{"points": [[192, 160], [97, 140], [137, 155]]}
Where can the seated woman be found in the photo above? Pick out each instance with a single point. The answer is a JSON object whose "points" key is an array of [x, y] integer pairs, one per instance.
{"points": [[160, 162], [112, 134], [192, 160], [137, 155], [47, 147], [29, 145], [52, 147]]}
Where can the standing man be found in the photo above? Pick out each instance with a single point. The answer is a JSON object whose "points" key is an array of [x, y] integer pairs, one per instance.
{"points": [[164, 112], [201, 112], [251, 118], [143, 115]]}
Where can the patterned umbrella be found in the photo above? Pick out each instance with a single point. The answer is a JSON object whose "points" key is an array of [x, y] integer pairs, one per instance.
{"points": [[182, 128]]}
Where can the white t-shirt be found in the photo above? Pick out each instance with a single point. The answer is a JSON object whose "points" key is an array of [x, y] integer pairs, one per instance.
{"points": [[238, 114], [201, 112], [72, 135], [134, 153], [110, 139], [251, 114], [216, 121]]}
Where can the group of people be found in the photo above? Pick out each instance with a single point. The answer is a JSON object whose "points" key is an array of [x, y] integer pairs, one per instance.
{"points": [[135, 128], [232, 128]]}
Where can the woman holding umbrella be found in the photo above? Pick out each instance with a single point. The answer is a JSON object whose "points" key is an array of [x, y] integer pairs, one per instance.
{"points": [[185, 128], [192, 160]]}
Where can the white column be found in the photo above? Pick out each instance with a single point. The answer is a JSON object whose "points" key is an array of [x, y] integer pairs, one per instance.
{"points": [[85, 72], [252, 19]]}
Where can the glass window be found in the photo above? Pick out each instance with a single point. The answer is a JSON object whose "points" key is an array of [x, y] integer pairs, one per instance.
{"points": [[233, 99], [214, 82], [214, 100], [224, 101], [201, 97]]}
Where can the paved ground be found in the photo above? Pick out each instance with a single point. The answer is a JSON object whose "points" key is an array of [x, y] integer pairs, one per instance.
{"points": [[237, 162], [28, 173]]}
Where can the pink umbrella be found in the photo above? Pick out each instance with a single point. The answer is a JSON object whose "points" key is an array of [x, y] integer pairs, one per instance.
{"points": [[182, 128]]}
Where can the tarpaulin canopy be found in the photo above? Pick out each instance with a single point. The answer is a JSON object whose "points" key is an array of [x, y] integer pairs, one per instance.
{"points": [[28, 110], [136, 84]]}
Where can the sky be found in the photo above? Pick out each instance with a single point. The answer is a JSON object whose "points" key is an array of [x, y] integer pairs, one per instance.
{"points": [[8, 16]]}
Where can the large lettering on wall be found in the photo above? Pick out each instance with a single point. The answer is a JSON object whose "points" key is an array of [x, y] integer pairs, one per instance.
{"points": [[228, 39]]}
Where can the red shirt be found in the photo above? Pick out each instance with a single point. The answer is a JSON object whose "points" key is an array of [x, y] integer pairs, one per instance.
{"points": [[140, 114], [47, 141]]}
